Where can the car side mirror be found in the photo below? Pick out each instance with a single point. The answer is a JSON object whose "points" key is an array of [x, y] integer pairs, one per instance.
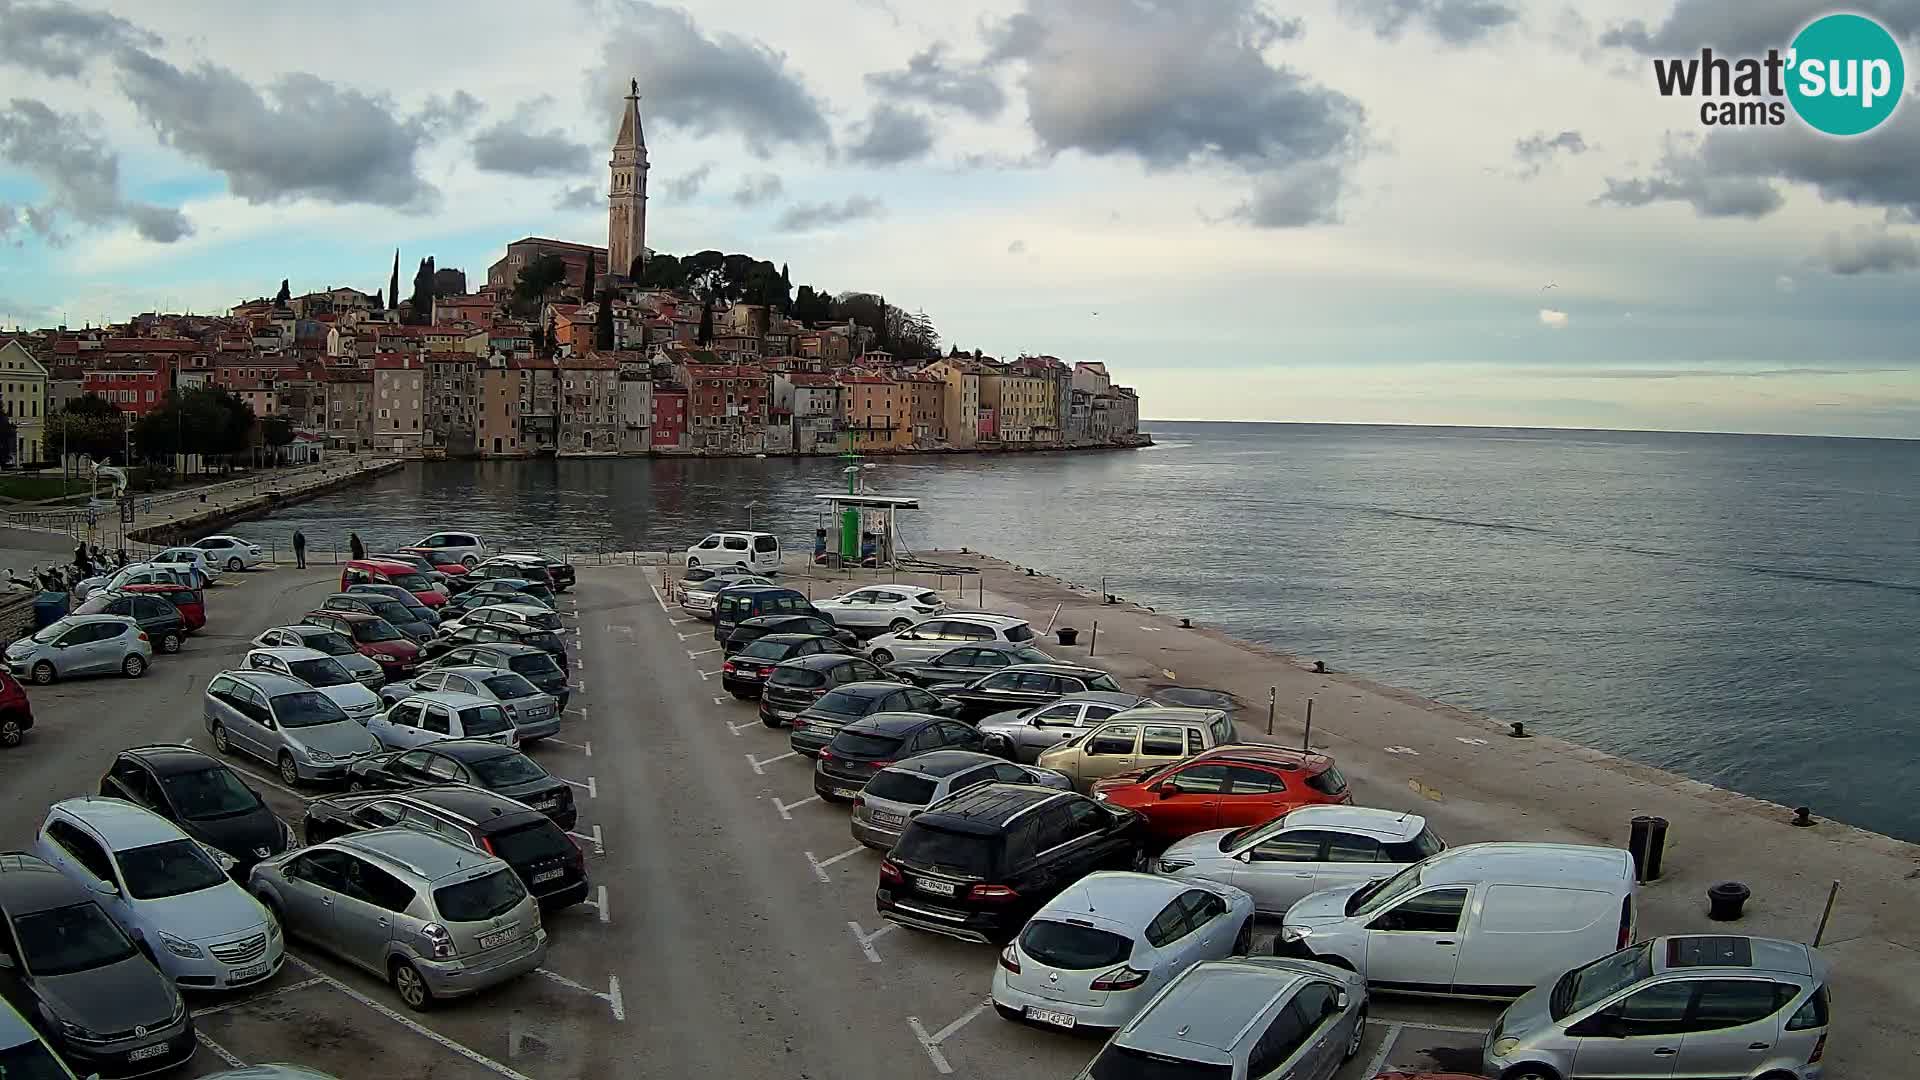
{"points": [[103, 888], [1167, 791]]}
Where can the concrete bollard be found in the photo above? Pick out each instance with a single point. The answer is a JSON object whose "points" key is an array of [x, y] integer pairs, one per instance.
{"points": [[1186, 624], [1519, 731], [1803, 817], [1726, 900]]}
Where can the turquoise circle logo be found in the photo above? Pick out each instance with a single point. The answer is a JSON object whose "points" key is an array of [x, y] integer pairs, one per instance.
{"points": [[1848, 74]]}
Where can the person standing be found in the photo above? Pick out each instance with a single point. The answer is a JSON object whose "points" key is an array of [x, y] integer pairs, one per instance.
{"points": [[299, 549], [355, 547]]}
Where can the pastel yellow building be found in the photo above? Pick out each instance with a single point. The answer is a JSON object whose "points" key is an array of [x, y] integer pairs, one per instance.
{"points": [[23, 396]]}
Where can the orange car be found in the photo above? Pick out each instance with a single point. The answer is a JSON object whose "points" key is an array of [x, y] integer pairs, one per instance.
{"points": [[1225, 788]]}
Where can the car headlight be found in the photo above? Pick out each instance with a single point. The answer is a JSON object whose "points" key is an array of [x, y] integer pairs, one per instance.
{"points": [[273, 928], [1503, 1047], [1100, 796], [77, 1032], [181, 947], [317, 755], [1293, 934], [225, 861], [1169, 866], [287, 839], [386, 658]]}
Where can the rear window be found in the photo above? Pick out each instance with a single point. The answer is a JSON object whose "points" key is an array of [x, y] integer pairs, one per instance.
{"points": [[1418, 848], [507, 769], [546, 620], [1023, 632], [842, 702], [732, 605], [861, 744], [962, 853], [765, 543], [1072, 946], [508, 687], [766, 650], [484, 720], [331, 644], [183, 596], [480, 899], [1125, 1063], [1103, 682], [534, 665], [531, 842], [896, 786], [1330, 781], [410, 581], [805, 678], [544, 639], [1812, 1013]]}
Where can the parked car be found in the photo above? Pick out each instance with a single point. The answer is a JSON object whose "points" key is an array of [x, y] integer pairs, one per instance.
{"points": [[1226, 787], [962, 664], [534, 665], [435, 917], [535, 714], [285, 723], [514, 569], [1303, 851], [499, 769], [1024, 686], [699, 598], [448, 573], [81, 645], [528, 616], [750, 552], [819, 723], [324, 639], [141, 574], [364, 571], [1242, 1019], [202, 563], [1135, 739], [103, 1006], [232, 552], [979, 865], [898, 793], [435, 715], [559, 568], [398, 615], [1484, 920], [506, 633], [461, 547], [738, 603], [23, 1053], [323, 673], [1093, 956], [16, 712], [485, 591], [752, 630], [874, 742], [157, 618], [418, 611], [924, 640], [549, 863], [882, 607], [797, 684], [745, 673], [1718, 1006], [1022, 734], [373, 637], [191, 603], [201, 795]]}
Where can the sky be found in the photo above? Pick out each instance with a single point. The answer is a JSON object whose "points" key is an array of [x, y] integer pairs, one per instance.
{"points": [[1378, 211]]}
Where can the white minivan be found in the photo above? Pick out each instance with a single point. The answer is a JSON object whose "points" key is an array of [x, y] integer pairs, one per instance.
{"points": [[748, 552], [1484, 920]]}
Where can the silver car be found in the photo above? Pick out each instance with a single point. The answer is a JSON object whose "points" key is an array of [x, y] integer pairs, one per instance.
{"points": [[1681, 1006], [535, 715], [284, 722], [323, 673], [434, 715], [81, 645], [534, 616], [926, 639], [1303, 851], [1243, 1019], [450, 547], [435, 917], [899, 792], [1023, 733], [327, 640], [700, 598]]}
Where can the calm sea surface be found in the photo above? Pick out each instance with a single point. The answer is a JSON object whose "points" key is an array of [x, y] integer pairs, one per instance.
{"points": [[1743, 610]]}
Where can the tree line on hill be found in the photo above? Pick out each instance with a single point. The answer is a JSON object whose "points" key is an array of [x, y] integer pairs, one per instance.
{"points": [[207, 422]]}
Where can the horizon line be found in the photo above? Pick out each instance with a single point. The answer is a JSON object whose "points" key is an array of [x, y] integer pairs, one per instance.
{"points": [[1528, 427]]}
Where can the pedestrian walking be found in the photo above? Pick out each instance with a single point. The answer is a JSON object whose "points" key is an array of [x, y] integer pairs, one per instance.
{"points": [[358, 549], [299, 549]]}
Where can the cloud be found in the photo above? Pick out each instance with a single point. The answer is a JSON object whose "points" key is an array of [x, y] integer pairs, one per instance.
{"points": [[1456, 22], [59, 38], [1784, 284], [1746, 27], [512, 147], [1018, 247], [1684, 176], [1176, 84], [892, 135], [445, 116], [81, 176], [756, 188], [1869, 250], [584, 197], [1535, 151], [306, 138], [1556, 320], [703, 83], [928, 78], [688, 184], [802, 217]]}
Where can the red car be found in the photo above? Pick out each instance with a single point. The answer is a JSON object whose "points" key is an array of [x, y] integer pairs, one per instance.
{"points": [[374, 638], [16, 713], [191, 602], [439, 560], [1225, 788], [362, 571]]}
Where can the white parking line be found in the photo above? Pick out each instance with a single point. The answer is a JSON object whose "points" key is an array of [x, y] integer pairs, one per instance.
{"points": [[580, 712], [592, 787], [743, 725], [613, 627], [1379, 1061], [787, 808], [695, 634], [760, 767], [611, 997], [931, 1043], [697, 654], [585, 747], [661, 600], [580, 663], [412, 1025], [218, 1050], [820, 865], [709, 674], [719, 701], [269, 995], [866, 940], [599, 844]]}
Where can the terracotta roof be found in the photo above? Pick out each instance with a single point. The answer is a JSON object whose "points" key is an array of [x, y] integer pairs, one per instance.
{"points": [[725, 371], [442, 357], [394, 362], [149, 345]]}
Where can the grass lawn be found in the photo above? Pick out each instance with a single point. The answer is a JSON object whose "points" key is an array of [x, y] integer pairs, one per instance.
{"points": [[30, 487]]}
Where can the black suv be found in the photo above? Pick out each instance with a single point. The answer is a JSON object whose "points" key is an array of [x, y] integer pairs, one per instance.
{"points": [[816, 727], [978, 865], [1025, 685], [735, 605], [537, 666], [499, 769], [546, 858], [754, 629], [796, 684], [158, 618], [866, 746], [204, 797], [746, 672]]}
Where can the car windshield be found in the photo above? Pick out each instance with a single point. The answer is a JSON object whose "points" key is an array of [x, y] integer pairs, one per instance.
{"points": [[31, 1060], [63, 940], [168, 869], [849, 704], [507, 769], [1372, 898], [51, 631], [767, 650], [390, 610], [410, 581], [1252, 834], [1590, 985], [306, 708], [535, 666], [1118, 1062], [1027, 654], [209, 793], [965, 853], [480, 899], [374, 630], [1073, 946], [863, 744], [319, 671], [901, 787], [484, 720], [508, 687], [333, 644]]}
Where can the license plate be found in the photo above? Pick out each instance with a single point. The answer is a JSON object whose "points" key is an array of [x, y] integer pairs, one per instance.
{"points": [[145, 1052], [498, 937], [937, 888], [548, 875], [784, 714], [547, 804], [881, 818], [249, 973], [1049, 1016], [844, 793]]}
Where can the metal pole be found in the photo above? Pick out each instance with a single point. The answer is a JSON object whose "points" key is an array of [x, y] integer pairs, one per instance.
{"points": [[1306, 740], [1095, 639], [1055, 615], [1832, 894], [1272, 692]]}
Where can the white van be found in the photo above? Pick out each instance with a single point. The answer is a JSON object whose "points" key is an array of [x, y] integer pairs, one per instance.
{"points": [[748, 552], [1484, 920]]}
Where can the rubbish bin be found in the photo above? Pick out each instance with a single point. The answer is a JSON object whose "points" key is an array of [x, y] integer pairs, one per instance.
{"points": [[1647, 842], [49, 608], [1725, 900], [1067, 635]]}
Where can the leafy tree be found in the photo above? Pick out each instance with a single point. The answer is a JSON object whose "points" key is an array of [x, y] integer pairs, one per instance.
{"points": [[206, 421], [638, 269], [276, 432], [422, 301], [537, 280], [812, 305], [393, 283], [280, 298], [92, 405], [549, 337], [663, 272], [706, 321], [89, 425], [379, 300], [8, 439]]}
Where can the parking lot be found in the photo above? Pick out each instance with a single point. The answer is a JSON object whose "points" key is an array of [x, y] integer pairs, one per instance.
{"points": [[732, 926]]}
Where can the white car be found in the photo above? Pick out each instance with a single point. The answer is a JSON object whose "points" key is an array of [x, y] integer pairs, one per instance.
{"points": [[929, 638], [453, 547], [882, 607], [747, 552], [168, 892], [1096, 954], [1304, 851], [434, 715], [232, 552], [322, 672], [186, 556], [530, 616]]}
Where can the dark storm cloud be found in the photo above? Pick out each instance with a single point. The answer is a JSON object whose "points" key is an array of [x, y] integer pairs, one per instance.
{"points": [[59, 38], [81, 175], [704, 83], [1456, 22], [512, 146], [1747, 26], [892, 135], [687, 185], [1181, 83], [1535, 151], [757, 188], [1869, 251], [801, 217], [929, 78]]}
